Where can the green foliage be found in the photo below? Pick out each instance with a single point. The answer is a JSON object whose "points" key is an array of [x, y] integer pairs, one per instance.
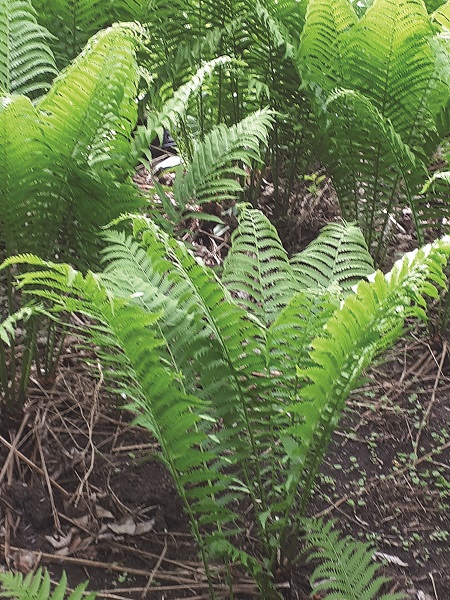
{"points": [[26, 60], [65, 168], [380, 82], [216, 170], [72, 23], [346, 570], [37, 587], [340, 256], [242, 400]]}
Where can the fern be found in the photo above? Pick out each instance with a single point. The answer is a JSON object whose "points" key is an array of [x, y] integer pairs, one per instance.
{"points": [[229, 396], [346, 570], [72, 23], [25, 186], [26, 60], [339, 255], [88, 116], [256, 269], [211, 174], [37, 587], [369, 321], [381, 129], [173, 113]]}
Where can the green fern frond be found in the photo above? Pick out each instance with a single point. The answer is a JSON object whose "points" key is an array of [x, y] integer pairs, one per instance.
{"points": [[369, 321], [8, 326], [346, 569], [87, 118], [338, 255], [442, 16], [290, 336], [26, 183], [211, 175], [174, 416], [94, 100], [72, 23], [256, 269], [26, 60], [174, 110], [37, 587], [393, 73], [324, 42]]}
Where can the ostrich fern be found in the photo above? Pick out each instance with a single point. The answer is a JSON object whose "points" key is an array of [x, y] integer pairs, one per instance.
{"points": [[380, 82], [232, 392], [26, 60], [65, 169]]}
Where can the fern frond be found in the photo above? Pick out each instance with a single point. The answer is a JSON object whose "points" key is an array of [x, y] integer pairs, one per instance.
{"points": [[26, 182], [324, 40], [174, 110], [442, 16], [395, 73], [26, 60], [174, 416], [346, 569], [211, 176], [8, 326], [256, 269], [338, 255], [72, 23], [37, 587], [87, 118], [369, 321], [93, 100], [290, 335]]}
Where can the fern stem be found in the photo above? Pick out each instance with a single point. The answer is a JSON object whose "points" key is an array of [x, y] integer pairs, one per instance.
{"points": [[29, 345], [4, 379]]}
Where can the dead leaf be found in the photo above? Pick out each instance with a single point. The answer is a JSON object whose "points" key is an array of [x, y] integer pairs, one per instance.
{"points": [[142, 528], [25, 561], [390, 558], [130, 527], [59, 542], [102, 513]]}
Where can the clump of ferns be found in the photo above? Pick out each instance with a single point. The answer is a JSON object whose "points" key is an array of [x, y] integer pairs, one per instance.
{"points": [[243, 380]]}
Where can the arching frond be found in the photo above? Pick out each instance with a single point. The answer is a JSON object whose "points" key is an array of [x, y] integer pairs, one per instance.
{"points": [[380, 128], [88, 116], [211, 175], [369, 321], [324, 41], [174, 110], [26, 59], [256, 269], [339, 255], [26, 182]]}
